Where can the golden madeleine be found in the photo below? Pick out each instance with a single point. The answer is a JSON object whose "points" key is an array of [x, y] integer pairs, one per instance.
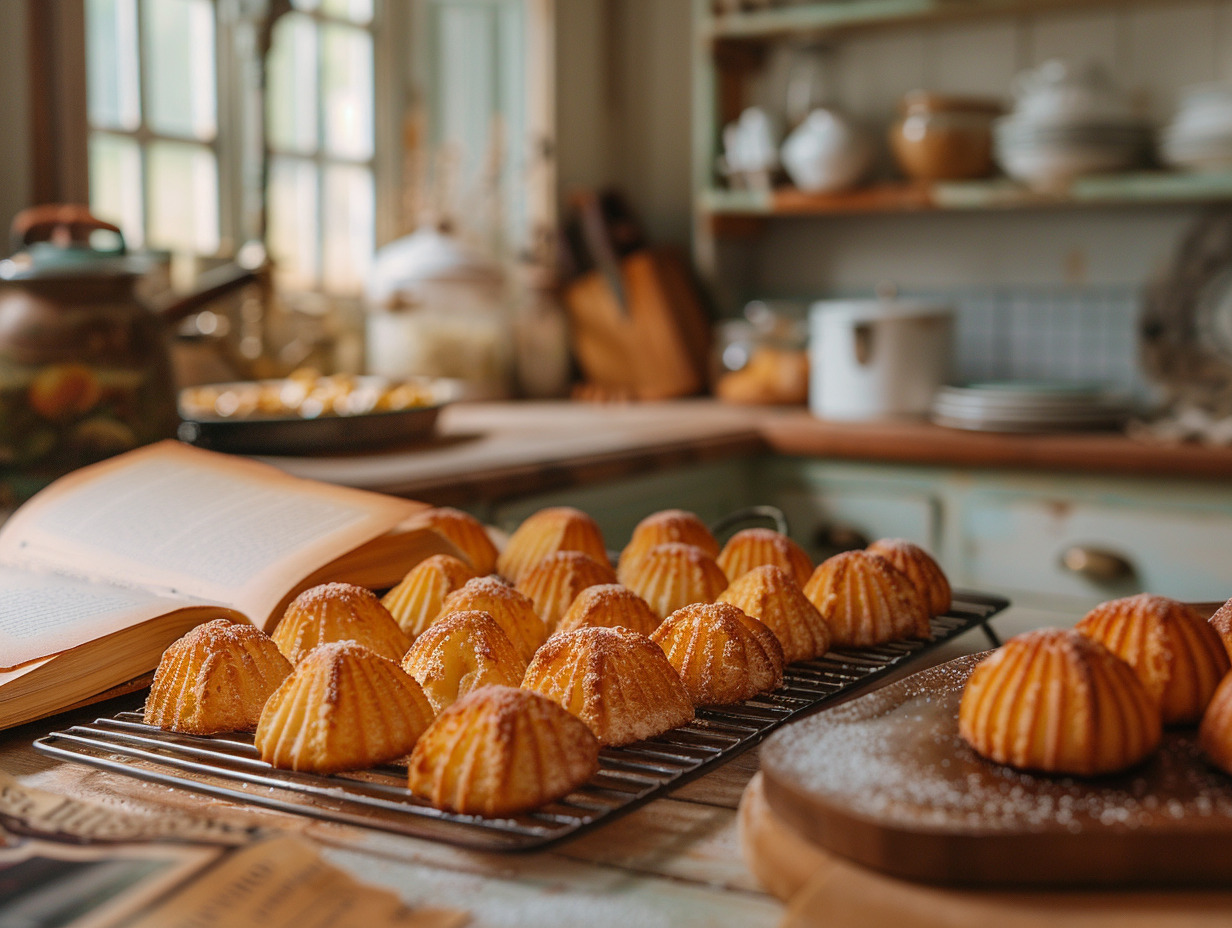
{"points": [[1215, 732], [771, 595], [554, 583], [756, 547], [722, 655], [616, 681], [215, 678], [1178, 657], [664, 527], [866, 600], [344, 707], [500, 751], [512, 611], [1056, 701], [416, 601], [609, 605], [466, 533], [460, 653], [920, 569], [559, 528], [671, 576], [338, 612]]}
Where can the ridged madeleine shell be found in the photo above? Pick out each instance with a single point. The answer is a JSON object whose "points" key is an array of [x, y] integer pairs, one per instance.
{"points": [[500, 751], [338, 612], [771, 595], [1221, 622], [616, 681], [416, 601], [559, 528], [1215, 733], [1056, 701], [722, 655], [512, 611], [609, 605], [215, 678], [756, 547], [675, 575], [465, 532], [554, 583], [665, 527], [344, 707], [460, 653], [1176, 654], [920, 569], [866, 600]]}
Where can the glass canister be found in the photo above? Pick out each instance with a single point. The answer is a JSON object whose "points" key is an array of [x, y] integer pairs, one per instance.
{"points": [[942, 137]]}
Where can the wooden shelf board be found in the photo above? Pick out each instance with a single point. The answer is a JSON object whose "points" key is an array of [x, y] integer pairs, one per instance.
{"points": [[1138, 188], [823, 17]]}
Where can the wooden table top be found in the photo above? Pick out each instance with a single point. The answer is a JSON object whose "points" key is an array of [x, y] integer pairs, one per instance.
{"points": [[674, 862], [499, 450]]}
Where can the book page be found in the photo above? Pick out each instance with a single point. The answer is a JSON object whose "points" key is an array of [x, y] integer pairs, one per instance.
{"points": [[44, 613], [188, 522]]}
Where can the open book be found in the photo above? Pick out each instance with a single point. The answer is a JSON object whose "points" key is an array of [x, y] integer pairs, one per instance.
{"points": [[106, 567]]}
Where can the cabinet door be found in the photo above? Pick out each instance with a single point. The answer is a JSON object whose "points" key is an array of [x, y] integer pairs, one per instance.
{"points": [[829, 520], [1018, 543]]}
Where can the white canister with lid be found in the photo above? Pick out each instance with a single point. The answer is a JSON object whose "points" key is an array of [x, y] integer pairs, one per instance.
{"points": [[879, 358]]}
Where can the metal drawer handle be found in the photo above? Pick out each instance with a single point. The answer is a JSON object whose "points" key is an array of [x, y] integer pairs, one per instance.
{"points": [[1098, 564]]}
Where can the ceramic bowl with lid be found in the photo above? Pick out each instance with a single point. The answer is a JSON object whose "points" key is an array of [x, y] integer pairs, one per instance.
{"points": [[943, 137]]}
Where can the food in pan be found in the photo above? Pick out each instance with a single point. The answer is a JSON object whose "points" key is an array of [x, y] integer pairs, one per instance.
{"points": [[673, 575], [1176, 654], [338, 612], [660, 528], [556, 581], [722, 655], [920, 568], [513, 612], [305, 393], [501, 751], [560, 528], [866, 600], [465, 532], [754, 547], [416, 601], [1055, 701], [344, 707], [460, 653], [616, 681], [771, 595], [609, 605], [215, 678], [1215, 733]]}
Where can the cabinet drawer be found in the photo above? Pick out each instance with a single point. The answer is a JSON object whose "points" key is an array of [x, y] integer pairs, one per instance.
{"points": [[1017, 544]]}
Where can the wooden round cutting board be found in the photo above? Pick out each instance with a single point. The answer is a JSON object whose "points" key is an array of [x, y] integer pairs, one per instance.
{"points": [[886, 781]]}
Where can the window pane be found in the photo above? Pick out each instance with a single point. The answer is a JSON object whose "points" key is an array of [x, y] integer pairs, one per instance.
{"points": [[183, 193], [293, 221], [346, 88], [349, 221], [113, 98], [291, 101], [357, 11], [179, 43], [115, 184]]}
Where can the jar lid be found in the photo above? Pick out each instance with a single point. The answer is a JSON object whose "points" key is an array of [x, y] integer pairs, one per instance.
{"points": [[927, 101]]}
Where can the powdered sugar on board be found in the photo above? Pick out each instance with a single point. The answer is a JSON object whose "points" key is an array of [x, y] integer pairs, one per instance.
{"points": [[895, 757]]}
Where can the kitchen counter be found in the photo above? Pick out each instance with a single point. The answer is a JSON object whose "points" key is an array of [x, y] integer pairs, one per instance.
{"points": [[498, 450]]}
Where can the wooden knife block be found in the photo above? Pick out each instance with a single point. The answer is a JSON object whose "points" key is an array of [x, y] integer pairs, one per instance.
{"points": [[656, 346]]}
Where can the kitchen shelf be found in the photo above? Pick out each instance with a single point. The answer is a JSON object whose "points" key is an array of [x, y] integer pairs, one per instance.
{"points": [[823, 17], [1138, 188]]}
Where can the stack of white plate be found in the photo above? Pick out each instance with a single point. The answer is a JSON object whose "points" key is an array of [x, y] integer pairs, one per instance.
{"points": [[1200, 135], [1016, 406]]}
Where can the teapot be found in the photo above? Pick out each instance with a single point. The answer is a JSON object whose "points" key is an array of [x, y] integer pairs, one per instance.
{"points": [[85, 368]]}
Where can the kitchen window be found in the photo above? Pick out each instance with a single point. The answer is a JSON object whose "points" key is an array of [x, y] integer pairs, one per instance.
{"points": [[168, 161]]}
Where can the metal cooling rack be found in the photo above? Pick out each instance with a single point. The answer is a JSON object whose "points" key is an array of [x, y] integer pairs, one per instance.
{"points": [[228, 767]]}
